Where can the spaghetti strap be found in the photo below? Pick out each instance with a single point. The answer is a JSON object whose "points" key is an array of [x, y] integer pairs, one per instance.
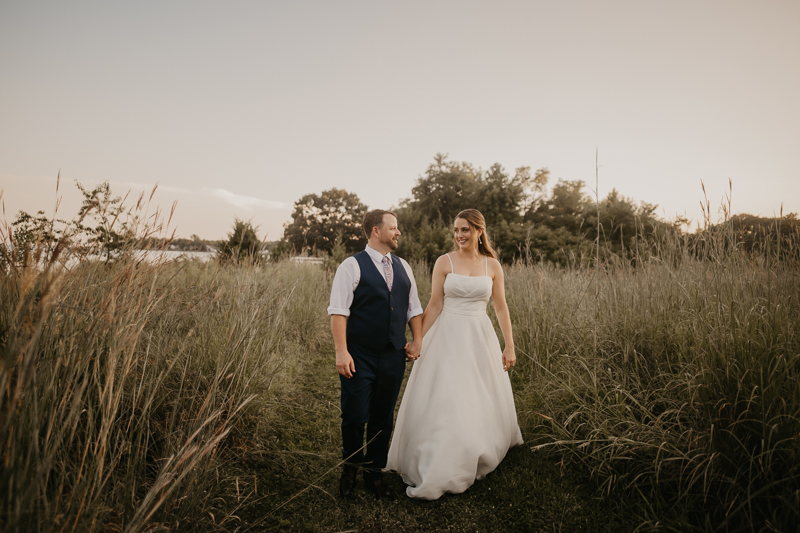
{"points": [[452, 270], [487, 265]]}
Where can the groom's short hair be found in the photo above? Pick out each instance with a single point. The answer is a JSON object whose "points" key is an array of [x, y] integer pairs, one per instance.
{"points": [[373, 219]]}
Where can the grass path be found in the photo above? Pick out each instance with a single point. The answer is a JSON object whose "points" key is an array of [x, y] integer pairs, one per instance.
{"points": [[297, 477]]}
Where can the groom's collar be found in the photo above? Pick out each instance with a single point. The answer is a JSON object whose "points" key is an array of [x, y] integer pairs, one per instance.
{"points": [[376, 255]]}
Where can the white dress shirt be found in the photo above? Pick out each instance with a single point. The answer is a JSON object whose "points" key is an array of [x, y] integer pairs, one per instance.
{"points": [[349, 274]]}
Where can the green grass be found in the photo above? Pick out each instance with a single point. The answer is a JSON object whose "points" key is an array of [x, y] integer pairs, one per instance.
{"points": [[297, 475]]}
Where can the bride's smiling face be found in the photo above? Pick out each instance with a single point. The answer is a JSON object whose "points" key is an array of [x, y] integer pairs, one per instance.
{"points": [[465, 235]]}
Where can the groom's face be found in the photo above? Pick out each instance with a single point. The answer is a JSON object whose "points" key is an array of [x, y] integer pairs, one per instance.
{"points": [[388, 232]]}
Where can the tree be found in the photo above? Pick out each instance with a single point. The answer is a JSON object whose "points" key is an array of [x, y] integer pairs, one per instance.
{"points": [[242, 243], [618, 221], [449, 187], [446, 189], [318, 219], [752, 232], [31, 237], [535, 188], [422, 239], [625, 227], [114, 225], [500, 197], [557, 246], [564, 208], [765, 236], [104, 226]]}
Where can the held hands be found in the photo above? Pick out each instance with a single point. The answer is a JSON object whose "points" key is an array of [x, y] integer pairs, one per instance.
{"points": [[412, 350], [509, 358], [345, 364]]}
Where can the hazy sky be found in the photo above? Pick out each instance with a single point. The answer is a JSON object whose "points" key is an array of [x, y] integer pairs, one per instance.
{"points": [[240, 108]]}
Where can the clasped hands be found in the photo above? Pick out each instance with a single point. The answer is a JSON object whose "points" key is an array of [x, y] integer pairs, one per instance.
{"points": [[412, 350], [346, 366]]}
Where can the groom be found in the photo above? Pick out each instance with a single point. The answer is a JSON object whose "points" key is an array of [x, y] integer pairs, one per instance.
{"points": [[373, 296]]}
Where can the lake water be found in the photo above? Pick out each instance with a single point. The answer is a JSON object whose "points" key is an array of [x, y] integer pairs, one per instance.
{"points": [[161, 256], [157, 256]]}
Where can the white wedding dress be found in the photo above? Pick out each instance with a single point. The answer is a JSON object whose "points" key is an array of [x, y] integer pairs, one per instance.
{"points": [[457, 418]]}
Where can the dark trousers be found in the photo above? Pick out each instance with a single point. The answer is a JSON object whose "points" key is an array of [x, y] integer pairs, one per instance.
{"points": [[368, 399]]}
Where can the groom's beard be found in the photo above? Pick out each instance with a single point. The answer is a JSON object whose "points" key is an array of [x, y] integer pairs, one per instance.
{"points": [[391, 243]]}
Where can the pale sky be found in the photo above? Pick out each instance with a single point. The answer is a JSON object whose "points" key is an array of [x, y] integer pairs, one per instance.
{"points": [[241, 108]]}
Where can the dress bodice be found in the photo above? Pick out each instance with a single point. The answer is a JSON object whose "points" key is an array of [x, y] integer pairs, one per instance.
{"points": [[466, 295]]}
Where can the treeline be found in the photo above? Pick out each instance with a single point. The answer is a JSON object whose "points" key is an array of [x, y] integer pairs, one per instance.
{"points": [[106, 228], [562, 225], [194, 243], [241, 244], [523, 219], [772, 237]]}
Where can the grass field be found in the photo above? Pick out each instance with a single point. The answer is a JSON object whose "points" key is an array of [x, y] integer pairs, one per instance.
{"points": [[202, 397]]}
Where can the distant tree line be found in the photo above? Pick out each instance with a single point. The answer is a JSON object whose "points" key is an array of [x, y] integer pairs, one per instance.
{"points": [[242, 243], [563, 225], [524, 219], [105, 228], [194, 243], [774, 237]]}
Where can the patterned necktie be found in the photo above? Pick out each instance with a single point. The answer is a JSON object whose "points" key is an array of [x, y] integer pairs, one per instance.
{"points": [[387, 269]]}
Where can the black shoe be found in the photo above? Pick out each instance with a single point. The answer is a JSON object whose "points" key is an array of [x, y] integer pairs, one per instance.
{"points": [[347, 484], [381, 490]]}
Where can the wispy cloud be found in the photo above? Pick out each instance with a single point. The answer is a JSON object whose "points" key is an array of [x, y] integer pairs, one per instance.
{"points": [[241, 201], [244, 202]]}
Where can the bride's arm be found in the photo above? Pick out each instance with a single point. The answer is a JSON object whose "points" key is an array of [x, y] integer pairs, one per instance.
{"points": [[440, 270], [503, 316]]}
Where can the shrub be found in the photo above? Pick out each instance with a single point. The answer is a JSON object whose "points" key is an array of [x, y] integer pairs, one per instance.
{"points": [[242, 244]]}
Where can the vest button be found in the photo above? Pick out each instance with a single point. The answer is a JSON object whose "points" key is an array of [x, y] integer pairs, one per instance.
{"points": [[391, 308]]}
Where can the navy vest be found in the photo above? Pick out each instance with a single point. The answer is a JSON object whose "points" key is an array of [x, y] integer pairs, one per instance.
{"points": [[377, 316]]}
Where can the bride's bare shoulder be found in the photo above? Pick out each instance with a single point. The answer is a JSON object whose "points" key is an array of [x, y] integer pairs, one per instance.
{"points": [[495, 267], [443, 262]]}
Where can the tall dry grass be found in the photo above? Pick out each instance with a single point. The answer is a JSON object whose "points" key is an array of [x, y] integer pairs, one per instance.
{"points": [[127, 386], [131, 392], [675, 381]]}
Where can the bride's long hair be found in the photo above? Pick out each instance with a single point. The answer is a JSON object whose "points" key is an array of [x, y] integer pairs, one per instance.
{"points": [[476, 221]]}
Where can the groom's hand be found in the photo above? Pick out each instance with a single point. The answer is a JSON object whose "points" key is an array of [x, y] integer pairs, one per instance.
{"points": [[345, 364], [412, 350]]}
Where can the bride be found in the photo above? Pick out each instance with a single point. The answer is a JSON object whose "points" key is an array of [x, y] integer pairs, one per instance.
{"points": [[457, 418]]}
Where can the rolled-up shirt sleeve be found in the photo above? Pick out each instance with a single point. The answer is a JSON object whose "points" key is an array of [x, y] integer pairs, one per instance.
{"points": [[414, 305], [344, 284]]}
